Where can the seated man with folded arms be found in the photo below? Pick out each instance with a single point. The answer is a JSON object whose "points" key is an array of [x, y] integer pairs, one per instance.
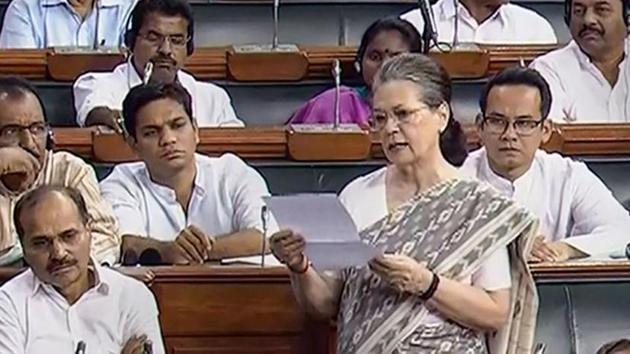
{"points": [[182, 206], [58, 23], [486, 22], [65, 298], [590, 77], [578, 214], [26, 162], [161, 32]]}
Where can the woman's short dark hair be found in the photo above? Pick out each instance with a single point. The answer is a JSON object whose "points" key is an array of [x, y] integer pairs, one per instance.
{"points": [[435, 85], [519, 76], [614, 347], [141, 95], [34, 196], [408, 32]]}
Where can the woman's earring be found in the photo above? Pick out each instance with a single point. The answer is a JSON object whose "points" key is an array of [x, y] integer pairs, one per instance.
{"points": [[357, 67]]}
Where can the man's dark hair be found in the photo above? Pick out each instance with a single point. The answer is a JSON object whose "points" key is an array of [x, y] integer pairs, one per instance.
{"points": [[141, 95], [614, 347], [14, 87], [34, 196], [519, 76], [165, 7]]}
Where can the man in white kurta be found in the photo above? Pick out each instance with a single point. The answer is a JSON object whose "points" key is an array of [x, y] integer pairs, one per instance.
{"points": [[188, 207], [161, 33], [578, 214], [506, 23], [65, 298], [590, 76]]}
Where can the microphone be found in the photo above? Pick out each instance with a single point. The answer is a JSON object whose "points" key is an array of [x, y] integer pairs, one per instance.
{"points": [[81, 346], [276, 13], [263, 216], [97, 4], [148, 70], [429, 33], [336, 72], [150, 257]]}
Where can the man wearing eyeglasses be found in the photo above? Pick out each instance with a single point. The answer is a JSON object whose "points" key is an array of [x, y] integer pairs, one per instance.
{"points": [[161, 32], [578, 214], [25, 163]]}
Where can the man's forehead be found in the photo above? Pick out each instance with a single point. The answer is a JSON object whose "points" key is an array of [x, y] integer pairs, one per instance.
{"points": [[165, 24], [23, 108], [160, 112], [595, 2]]}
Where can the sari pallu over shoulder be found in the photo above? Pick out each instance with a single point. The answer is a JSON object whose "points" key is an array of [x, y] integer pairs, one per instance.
{"points": [[454, 227]]}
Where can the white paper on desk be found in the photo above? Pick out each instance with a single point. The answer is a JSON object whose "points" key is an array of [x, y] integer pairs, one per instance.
{"points": [[332, 239]]}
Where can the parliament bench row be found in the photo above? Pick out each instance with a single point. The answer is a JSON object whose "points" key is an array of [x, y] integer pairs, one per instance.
{"points": [[220, 23]]}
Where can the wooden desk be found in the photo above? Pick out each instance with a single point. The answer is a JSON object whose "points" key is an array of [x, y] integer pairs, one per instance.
{"points": [[211, 63], [584, 140]]}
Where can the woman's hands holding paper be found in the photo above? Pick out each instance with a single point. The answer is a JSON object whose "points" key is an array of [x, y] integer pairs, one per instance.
{"points": [[288, 247], [402, 273]]}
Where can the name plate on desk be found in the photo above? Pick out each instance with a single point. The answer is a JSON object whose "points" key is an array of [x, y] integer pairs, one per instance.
{"points": [[68, 63], [465, 61], [286, 62], [323, 142]]}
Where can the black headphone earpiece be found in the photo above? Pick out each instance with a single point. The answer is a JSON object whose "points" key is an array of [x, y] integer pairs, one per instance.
{"points": [[625, 11]]}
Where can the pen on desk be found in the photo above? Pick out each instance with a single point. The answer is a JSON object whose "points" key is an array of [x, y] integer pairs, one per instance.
{"points": [[80, 348]]}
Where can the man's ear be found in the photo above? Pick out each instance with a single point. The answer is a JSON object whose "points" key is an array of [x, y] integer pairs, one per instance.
{"points": [[196, 129], [548, 128], [132, 143]]}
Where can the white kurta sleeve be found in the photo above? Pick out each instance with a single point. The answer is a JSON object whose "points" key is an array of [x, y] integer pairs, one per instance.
{"points": [[142, 316], [11, 336], [228, 116], [92, 90], [247, 187], [600, 223], [559, 97], [119, 191], [18, 29]]}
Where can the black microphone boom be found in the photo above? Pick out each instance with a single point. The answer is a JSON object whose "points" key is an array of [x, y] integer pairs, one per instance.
{"points": [[429, 32]]}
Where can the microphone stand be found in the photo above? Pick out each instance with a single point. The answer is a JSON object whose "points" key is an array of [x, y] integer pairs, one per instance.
{"points": [[336, 72], [276, 13], [263, 215]]}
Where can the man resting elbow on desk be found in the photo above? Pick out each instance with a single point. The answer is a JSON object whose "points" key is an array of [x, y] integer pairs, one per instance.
{"points": [[578, 214], [176, 206]]}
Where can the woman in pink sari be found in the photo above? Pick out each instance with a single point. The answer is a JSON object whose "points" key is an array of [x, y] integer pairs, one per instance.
{"points": [[383, 39]]}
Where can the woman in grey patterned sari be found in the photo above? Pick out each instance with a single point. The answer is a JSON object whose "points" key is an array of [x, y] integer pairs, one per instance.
{"points": [[453, 277]]}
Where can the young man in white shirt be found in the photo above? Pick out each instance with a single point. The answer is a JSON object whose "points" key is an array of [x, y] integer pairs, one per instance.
{"points": [[161, 33], [65, 300], [486, 22], [180, 206], [590, 77], [578, 214]]}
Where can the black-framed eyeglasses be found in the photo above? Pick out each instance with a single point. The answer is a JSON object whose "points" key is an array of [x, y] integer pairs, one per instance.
{"points": [[156, 39], [11, 133], [499, 125]]}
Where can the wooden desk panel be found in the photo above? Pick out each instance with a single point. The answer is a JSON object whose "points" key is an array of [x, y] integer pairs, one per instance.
{"points": [[271, 144]]}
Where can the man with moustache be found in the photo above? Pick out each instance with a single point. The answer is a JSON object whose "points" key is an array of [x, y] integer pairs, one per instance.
{"points": [[578, 215], [65, 300], [175, 205], [161, 33], [590, 77], [26, 162]]}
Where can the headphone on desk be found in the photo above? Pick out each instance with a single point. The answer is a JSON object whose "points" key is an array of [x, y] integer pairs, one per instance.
{"points": [[625, 11], [136, 19]]}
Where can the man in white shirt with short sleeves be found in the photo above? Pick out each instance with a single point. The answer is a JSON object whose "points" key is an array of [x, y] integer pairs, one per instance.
{"points": [[161, 33], [578, 214], [489, 22], [590, 77], [177, 205], [65, 301]]}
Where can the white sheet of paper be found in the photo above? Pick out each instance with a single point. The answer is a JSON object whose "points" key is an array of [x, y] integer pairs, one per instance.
{"points": [[332, 239]]}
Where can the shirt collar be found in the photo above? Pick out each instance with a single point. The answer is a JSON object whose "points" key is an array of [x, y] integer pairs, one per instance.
{"points": [[133, 78], [168, 193], [585, 60], [448, 11], [504, 185], [101, 3], [101, 284]]}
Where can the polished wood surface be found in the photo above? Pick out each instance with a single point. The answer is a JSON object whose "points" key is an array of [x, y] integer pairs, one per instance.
{"points": [[212, 63], [272, 143]]}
